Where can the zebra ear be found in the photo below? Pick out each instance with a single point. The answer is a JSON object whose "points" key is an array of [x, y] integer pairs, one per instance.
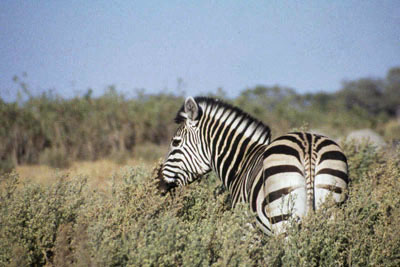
{"points": [[191, 108]]}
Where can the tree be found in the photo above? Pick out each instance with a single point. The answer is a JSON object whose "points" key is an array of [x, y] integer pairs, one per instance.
{"points": [[366, 93], [392, 92]]}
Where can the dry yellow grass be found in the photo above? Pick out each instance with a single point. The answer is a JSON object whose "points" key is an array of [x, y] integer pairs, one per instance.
{"points": [[99, 173]]}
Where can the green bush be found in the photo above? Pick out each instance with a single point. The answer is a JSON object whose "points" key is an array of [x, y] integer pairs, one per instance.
{"points": [[55, 157], [68, 223], [6, 165], [392, 131], [32, 215]]}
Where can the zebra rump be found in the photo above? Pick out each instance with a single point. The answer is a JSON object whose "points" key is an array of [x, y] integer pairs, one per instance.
{"points": [[300, 170]]}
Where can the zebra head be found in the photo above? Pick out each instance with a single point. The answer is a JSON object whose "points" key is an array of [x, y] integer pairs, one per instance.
{"points": [[187, 157]]}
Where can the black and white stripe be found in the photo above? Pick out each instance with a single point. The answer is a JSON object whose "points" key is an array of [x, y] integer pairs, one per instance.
{"points": [[299, 171], [287, 177]]}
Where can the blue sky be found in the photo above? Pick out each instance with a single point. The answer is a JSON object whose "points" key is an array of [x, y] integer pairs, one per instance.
{"points": [[311, 46]]}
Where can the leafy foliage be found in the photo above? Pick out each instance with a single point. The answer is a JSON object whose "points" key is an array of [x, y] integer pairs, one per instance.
{"points": [[68, 223]]}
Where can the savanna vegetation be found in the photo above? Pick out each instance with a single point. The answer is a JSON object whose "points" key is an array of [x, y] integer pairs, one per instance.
{"points": [[100, 205]]}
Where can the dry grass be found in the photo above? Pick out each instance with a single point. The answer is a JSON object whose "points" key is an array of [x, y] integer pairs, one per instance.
{"points": [[99, 173]]}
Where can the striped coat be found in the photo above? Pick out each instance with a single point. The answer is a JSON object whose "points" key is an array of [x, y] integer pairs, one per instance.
{"points": [[287, 177]]}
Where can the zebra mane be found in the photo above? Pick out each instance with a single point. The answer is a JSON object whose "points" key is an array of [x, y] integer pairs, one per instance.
{"points": [[208, 101]]}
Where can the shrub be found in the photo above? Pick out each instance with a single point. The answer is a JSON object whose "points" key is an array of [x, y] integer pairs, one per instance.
{"points": [[392, 131], [33, 215], [69, 224], [55, 157], [6, 165]]}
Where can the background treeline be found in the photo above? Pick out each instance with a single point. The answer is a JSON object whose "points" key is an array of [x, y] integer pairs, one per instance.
{"points": [[52, 130]]}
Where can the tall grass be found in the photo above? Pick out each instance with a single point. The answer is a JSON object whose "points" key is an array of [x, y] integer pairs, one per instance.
{"points": [[69, 223]]}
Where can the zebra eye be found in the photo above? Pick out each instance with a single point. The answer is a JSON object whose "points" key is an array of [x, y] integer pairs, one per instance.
{"points": [[176, 142]]}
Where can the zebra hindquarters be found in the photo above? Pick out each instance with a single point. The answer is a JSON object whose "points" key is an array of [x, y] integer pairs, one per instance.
{"points": [[300, 170], [284, 188], [331, 175]]}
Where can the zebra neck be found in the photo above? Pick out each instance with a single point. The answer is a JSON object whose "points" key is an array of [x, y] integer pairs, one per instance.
{"points": [[235, 154], [232, 140], [238, 167]]}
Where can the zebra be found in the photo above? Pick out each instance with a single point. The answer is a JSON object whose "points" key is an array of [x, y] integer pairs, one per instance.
{"points": [[288, 177]]}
